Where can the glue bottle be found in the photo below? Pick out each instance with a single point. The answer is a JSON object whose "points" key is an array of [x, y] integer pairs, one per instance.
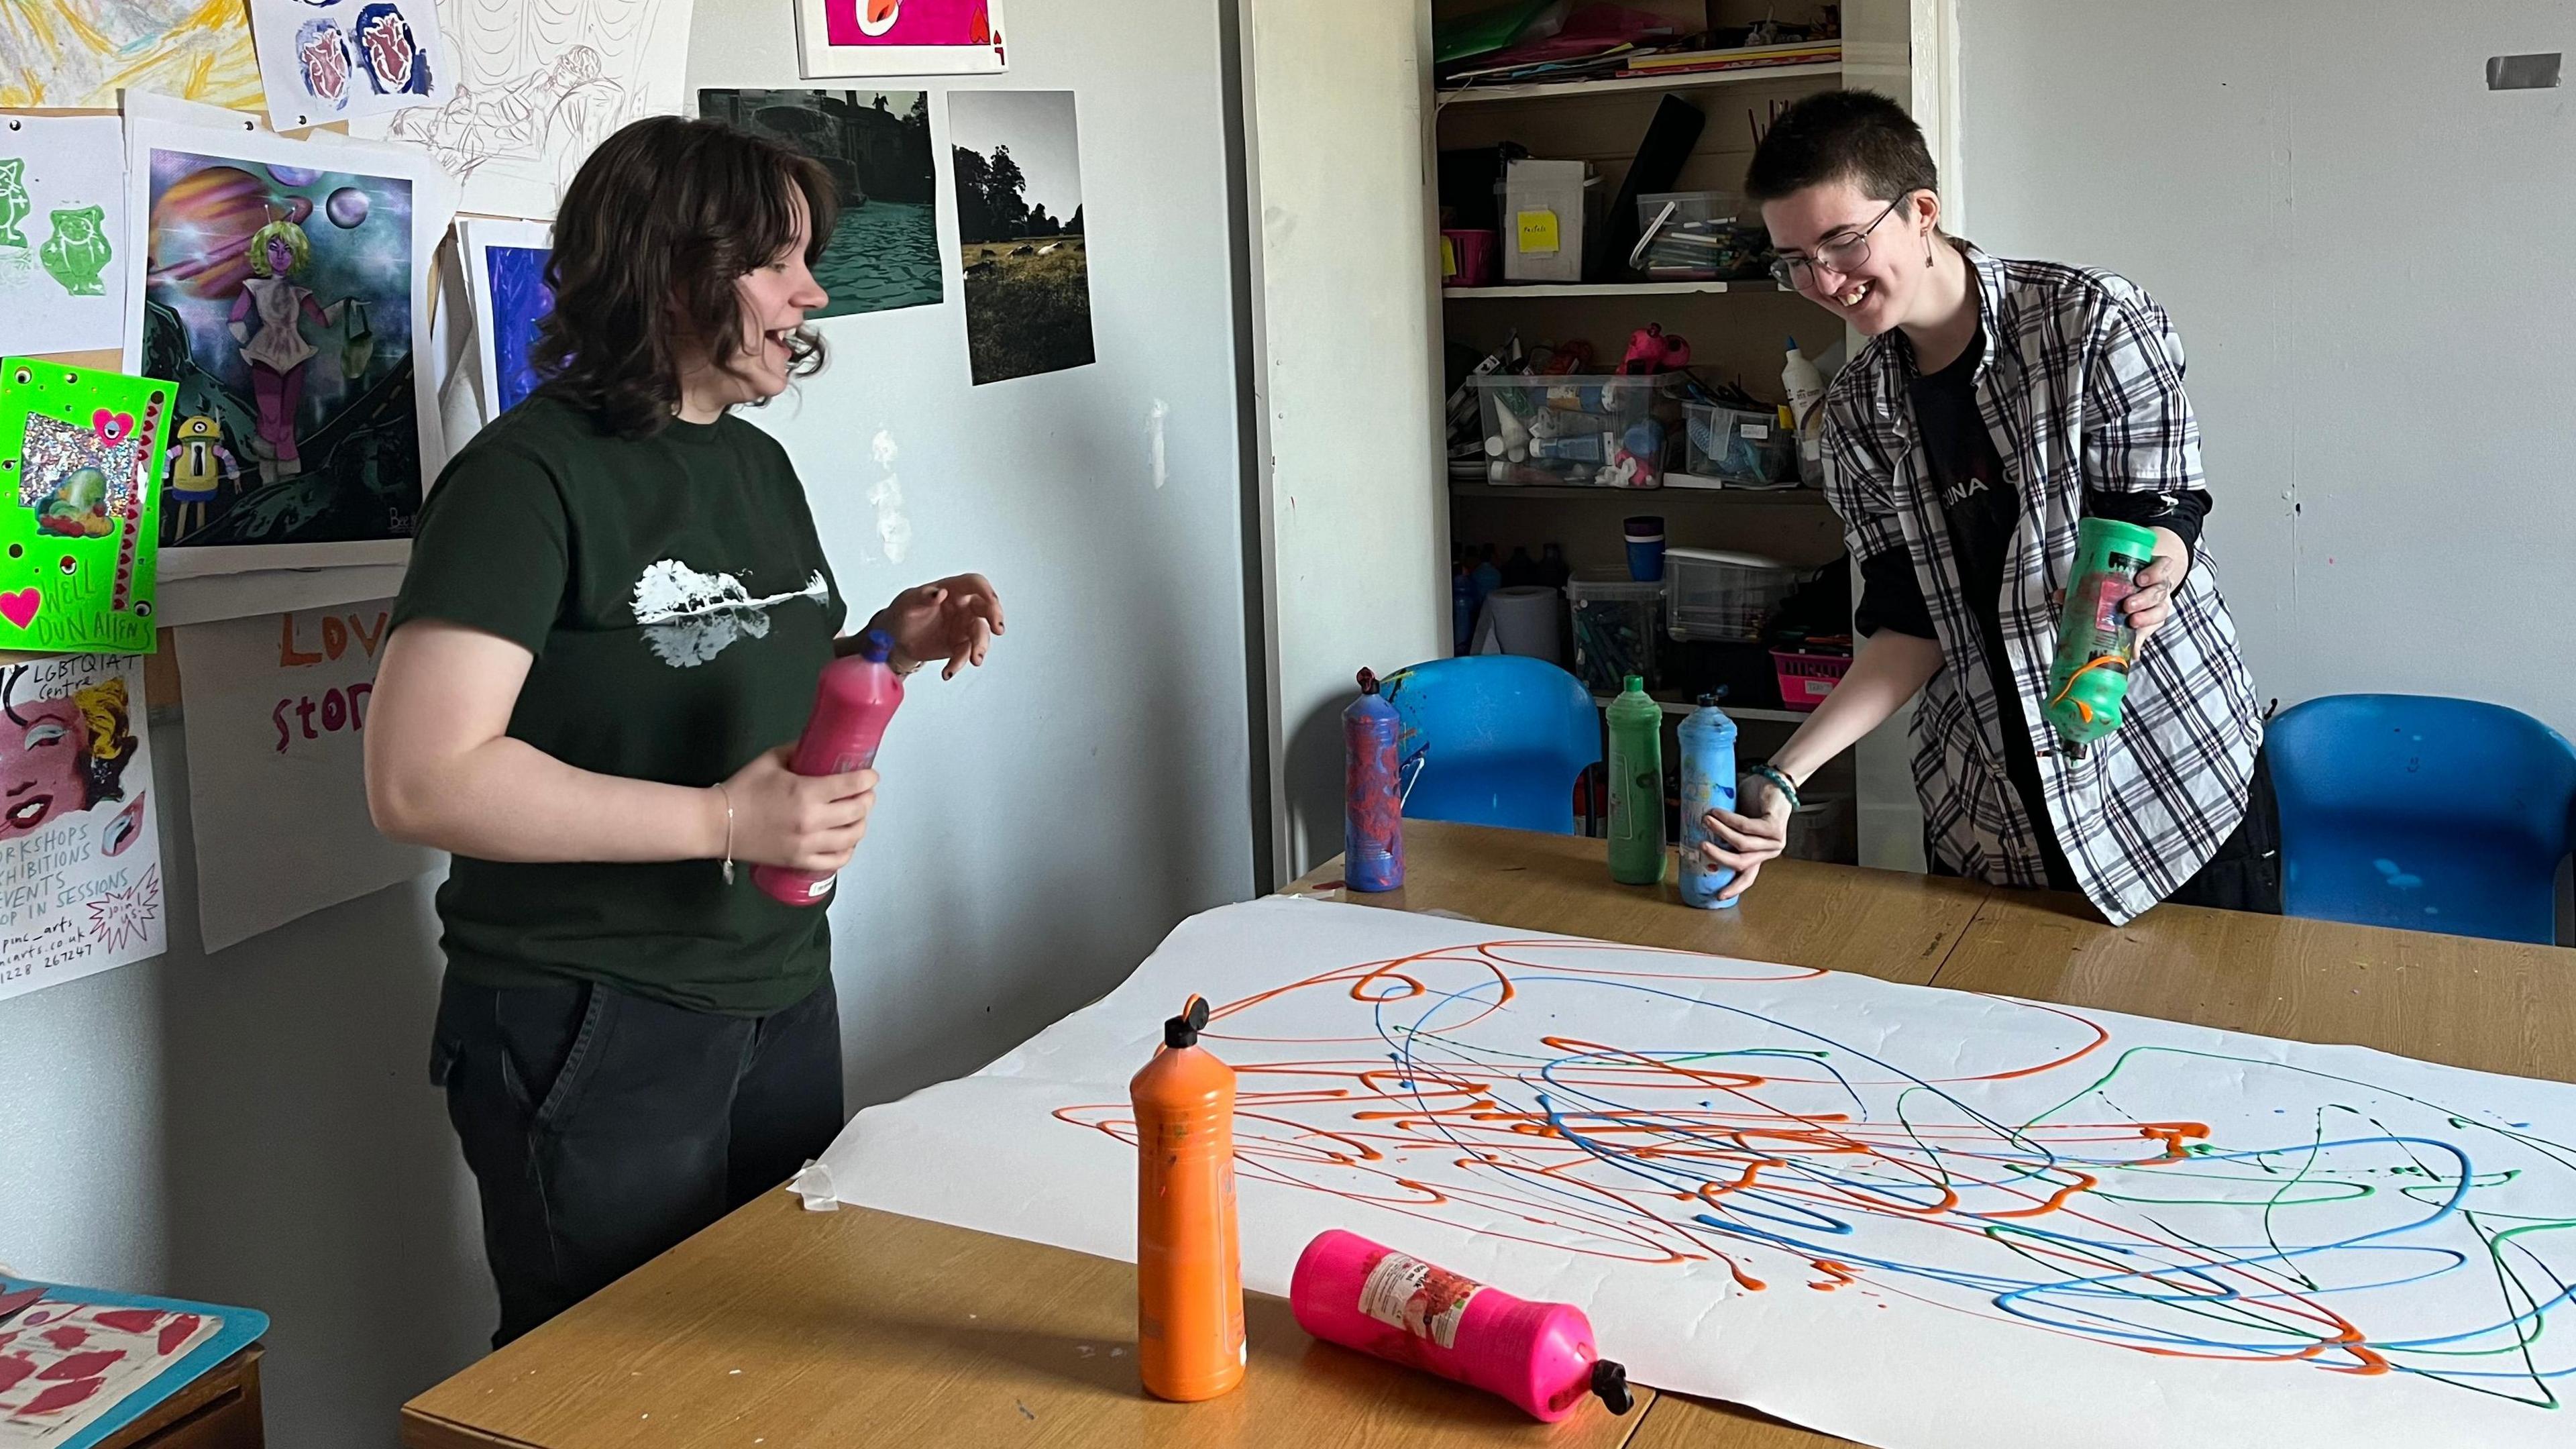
{"points": [[1189, 1274], [853, 704], [1708, 783], [1805, 387], [1356, 1293], [2095, 645], [1372, 798], [1636, 768]]}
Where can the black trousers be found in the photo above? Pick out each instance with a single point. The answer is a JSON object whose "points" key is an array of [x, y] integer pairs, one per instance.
{"points": [[2245, 874], [604, 1127]]}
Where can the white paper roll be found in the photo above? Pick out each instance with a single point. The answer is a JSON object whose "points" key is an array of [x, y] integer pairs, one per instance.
{"points": [[1524, 619]]}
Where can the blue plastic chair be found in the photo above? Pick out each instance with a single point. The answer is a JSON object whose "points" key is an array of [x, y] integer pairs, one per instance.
{"points": [[1494, 739], [2423, 813]]}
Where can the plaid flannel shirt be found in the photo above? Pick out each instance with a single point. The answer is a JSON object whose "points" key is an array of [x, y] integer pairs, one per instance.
{"points": [[2081, 389]]}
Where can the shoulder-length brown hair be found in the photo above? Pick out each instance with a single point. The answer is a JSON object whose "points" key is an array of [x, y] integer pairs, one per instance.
{"points": [[652, 234]]}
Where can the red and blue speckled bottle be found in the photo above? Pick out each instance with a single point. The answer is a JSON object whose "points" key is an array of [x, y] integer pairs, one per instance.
{"points": [[1372, 798]]}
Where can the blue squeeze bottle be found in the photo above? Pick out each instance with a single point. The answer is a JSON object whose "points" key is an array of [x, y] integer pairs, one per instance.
{"points": [[1708, 783], [1372, 800]]}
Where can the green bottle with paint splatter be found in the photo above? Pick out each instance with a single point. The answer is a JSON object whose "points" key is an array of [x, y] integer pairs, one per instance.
{"points": [[1636, 786], [2095, 645]]}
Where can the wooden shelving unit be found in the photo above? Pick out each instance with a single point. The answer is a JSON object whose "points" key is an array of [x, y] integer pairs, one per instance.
{"points": [[1636, 497], [1688, 81], [1678, 708], [1526, 291]]}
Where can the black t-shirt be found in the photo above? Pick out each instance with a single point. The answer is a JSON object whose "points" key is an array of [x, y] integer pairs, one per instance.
{"points": [[1982, 511], [680, 610]]}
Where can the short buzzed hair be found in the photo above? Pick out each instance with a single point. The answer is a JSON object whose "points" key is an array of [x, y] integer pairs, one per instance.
{"points": [[1857, 136]]}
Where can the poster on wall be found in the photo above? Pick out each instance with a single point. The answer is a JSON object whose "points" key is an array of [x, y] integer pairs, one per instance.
{"points": [[536, 85], [80, 454], [77, 54], [339, 60], [275, 282], [505, 272], [1019, 225], [80, 844], [277, 709], [62, 221], [884, 251], [837, 38]]}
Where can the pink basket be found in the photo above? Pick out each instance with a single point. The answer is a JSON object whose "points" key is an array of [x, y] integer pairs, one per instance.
{"points": [[1805, 679]]}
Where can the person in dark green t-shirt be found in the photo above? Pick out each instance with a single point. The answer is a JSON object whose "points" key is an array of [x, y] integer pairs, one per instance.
{"points": [[615, 616]]}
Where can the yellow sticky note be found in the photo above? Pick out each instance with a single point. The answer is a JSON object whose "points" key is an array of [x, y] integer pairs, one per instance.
{"points": [[1538, 233], [1448, 258]]}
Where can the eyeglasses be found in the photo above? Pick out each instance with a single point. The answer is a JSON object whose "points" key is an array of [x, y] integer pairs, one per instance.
{"points": [[1848, 250]]}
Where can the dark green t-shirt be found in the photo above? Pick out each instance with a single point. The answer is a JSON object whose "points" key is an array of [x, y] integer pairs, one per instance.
{"points": [[680, 610]]}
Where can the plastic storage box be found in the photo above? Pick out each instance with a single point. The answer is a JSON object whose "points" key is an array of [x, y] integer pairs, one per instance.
{"points": [[1714, 595], [1741, 448], [1700, 236], [1578, 431], [1617, 623], [1545, 207], [1824, 827]]}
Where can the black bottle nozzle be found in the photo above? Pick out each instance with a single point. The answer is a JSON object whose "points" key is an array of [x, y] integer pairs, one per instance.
{"points": [[1368, 681], [1610, 1381], [1183, 1030]]}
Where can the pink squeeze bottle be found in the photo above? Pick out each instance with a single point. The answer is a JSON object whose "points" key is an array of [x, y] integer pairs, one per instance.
{"points": [[1353, 1292], [853, 704]]}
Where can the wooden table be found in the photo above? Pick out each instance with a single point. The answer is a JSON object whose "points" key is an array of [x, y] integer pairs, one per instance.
{"points": [[784, 1328], [218, 1409]]}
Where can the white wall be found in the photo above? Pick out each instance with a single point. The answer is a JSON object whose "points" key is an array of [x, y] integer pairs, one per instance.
{"points": [[2365, 252], [1353, 468], [257, 1127]]}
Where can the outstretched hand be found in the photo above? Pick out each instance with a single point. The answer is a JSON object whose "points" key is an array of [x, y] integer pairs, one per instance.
{"points": [[955, 619]]}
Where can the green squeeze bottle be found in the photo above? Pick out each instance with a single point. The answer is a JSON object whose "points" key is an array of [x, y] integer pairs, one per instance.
{"points": [[1636, 786], [2095, 645]]}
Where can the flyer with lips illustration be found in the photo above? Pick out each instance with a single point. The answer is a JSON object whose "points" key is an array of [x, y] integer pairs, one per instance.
{"points": [[339, 60], [80, 837]]}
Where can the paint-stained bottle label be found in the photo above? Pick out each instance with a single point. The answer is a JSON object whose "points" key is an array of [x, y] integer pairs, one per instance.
{"points": [[1425, 1301]]}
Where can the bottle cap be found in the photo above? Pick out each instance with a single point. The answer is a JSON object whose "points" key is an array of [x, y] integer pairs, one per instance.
{"points": [[1708, 701], [1610, 1381], [1368, 681], [875, 645], [1634, 684], [1183, 1030]]}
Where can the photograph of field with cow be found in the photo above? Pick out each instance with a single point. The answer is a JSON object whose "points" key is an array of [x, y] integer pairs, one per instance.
{"points": [[1020, 232]]}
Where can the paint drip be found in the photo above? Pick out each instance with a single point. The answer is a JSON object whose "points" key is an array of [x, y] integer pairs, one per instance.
{"points": [[894, 528]]}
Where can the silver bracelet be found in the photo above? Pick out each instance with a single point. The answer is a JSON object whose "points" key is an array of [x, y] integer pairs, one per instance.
{"points": [[727, 797]]}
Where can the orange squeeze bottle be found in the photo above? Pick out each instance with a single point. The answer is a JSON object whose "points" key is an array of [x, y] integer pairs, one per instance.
{"points": [[1189, 1274]]}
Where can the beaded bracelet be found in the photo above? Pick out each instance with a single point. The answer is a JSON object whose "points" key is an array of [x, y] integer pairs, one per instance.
{"points": [[1779, 782]]}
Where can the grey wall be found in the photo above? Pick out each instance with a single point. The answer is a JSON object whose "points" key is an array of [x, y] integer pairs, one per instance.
{"points": [[255, 1127], [2364, 251]]}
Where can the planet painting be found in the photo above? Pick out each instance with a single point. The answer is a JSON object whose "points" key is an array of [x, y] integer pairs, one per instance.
{"points": [[294, 336], [347, 208]]}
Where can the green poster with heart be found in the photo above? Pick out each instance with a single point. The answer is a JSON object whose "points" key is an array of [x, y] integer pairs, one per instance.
{"points": [[82, 455]]}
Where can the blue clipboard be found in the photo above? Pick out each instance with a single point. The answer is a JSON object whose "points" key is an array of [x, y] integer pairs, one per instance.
{"points": [[239, 1328]]}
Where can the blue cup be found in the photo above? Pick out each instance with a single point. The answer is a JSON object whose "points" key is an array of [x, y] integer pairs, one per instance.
{"points": [[1646, 550]]}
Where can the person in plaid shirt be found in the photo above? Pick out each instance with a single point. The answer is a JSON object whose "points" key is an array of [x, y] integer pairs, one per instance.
{"points": [[1996, 404]]}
